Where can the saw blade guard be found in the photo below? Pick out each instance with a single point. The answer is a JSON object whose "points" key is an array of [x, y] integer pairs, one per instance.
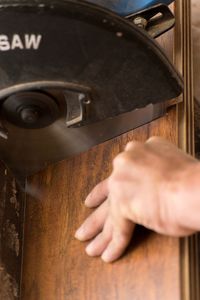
{"points": [[68, 67], [111, 65]]}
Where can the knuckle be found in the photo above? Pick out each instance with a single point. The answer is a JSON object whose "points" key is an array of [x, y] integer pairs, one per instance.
{"points": [[121, 159], [115, 183], [153, 139], [157, 140], [133, 145]]}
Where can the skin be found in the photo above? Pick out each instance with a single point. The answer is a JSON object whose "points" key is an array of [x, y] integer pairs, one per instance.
{"points": [[153, 184]]}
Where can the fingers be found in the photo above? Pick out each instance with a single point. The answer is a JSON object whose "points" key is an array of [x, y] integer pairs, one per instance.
{"points": [[111, 233], [93, 224], [117, 245], [97, 195], [111, 243], [99, 244], [122, 231]]}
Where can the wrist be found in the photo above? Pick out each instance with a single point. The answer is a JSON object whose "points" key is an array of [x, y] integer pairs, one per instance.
{"points": [[181, 200], [185, 198]]}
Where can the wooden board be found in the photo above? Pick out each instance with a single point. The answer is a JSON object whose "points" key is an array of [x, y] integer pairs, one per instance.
{"points": [[55, 264]]}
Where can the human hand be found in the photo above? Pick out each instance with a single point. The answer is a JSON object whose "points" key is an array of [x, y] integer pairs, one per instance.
{"points": [[144, 188]]}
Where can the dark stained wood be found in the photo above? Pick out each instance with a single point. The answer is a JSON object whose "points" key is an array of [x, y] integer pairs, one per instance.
{"points": [[11, 235]]}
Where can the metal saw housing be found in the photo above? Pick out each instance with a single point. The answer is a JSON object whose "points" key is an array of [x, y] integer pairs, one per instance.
{"points": [[91, 64]]}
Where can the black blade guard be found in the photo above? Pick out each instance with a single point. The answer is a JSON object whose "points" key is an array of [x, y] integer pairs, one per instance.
{"points": [[86, 48], [81, 51]]}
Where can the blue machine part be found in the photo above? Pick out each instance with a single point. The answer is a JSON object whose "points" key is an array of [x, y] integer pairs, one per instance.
{"points": [[126, 7]]}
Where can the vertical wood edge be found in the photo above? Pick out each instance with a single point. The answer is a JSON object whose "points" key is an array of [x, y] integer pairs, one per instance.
{"points": [[22, 238], [189, 260]]}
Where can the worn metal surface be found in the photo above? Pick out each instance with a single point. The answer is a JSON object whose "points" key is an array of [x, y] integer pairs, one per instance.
{"points": [[159, 19]]}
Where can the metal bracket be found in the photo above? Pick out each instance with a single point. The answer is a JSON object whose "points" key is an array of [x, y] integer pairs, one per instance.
{"points": [[156, 20], [77, 104]]}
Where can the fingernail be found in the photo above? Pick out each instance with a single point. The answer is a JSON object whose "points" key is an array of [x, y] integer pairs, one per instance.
{"points": [[107, 256], [89, 250], [86, 200], [79, 233]]}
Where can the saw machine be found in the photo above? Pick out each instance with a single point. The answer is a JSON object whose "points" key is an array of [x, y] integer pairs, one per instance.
{"points": [[74, 74]]}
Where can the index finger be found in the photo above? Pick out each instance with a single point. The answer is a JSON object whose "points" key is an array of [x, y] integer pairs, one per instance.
{"points": [[98, 195]]}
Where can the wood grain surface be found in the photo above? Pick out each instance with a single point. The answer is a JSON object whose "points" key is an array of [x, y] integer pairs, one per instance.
{"points": [[55, 264]]}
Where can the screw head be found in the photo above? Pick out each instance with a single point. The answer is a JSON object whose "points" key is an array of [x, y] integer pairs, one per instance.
{"points": [[140, 22], [29, 115]]}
